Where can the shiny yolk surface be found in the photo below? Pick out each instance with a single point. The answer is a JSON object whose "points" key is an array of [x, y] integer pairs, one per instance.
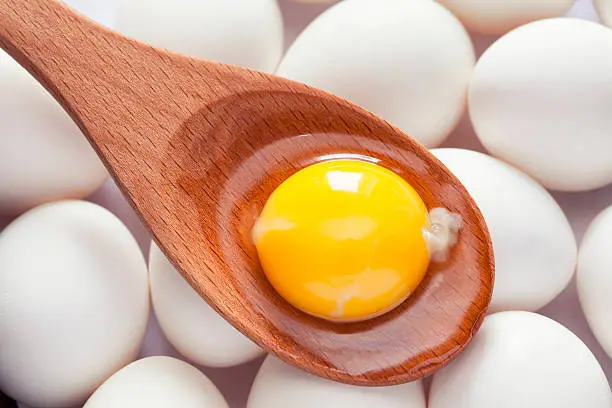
{"points": [[343, 240]]}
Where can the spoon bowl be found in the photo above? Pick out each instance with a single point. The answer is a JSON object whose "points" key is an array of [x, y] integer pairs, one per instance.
{"points": [[197, 147]]}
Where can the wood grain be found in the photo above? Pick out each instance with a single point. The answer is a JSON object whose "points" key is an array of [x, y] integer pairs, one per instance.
{"points": [[197, 147]]}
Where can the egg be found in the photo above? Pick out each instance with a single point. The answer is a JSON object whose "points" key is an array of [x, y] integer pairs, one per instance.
{"points": [[157, 382], [43, 154], [278, 385], [501, 16], [315, 1], [594, 277], [522, 359], [190, 324], [541, 97], [74, 302], [407, 61], [102, 12], [245, 33], [343, 240], [533, 242], [604, 10]]}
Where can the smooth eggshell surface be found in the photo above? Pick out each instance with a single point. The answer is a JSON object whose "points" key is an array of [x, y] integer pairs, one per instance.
{"points": [[521, 359], [74, 302], [245, 33], [279, 385], [316, 1], [190, 324], [594, 277], [604, 9], [407, 61], [541, 98], [501, 16], [534, 245], [43, 154], [157, 382]]}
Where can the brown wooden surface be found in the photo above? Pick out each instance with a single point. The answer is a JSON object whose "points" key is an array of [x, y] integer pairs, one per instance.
{"points": [[197, 147]]}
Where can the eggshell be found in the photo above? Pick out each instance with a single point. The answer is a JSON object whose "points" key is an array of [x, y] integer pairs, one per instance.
{"points": [[157, 382], [501, 16], [74, 302], [521, 359], [604, 9], [315, 1], [103, 12], [190, 324], [407, 61], [279, 385], [43, 154], [541, 99], [594, 277], [245, 33], [534, 245]]}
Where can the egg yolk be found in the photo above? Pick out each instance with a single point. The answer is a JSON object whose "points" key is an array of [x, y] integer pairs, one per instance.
{"points": [[343, 240]]}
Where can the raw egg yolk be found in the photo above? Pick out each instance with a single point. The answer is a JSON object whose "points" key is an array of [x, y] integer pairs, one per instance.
{"points": [[343, 240]]}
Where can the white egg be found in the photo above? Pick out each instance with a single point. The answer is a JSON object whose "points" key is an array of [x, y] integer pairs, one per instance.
{"points": [[522, 359], [604, 9], [157, 382], [541, 98], [74, 302], [594, 277], [190, 324], [315, 1], [534, 245], [501, 16], [407, 61], [239, 32], [43, 154], [279, 385], [103, 12]]}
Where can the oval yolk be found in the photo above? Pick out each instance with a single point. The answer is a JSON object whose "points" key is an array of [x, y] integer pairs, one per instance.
{"points": [[343, 240]]}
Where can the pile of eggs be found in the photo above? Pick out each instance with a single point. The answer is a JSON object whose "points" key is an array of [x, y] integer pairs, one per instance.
{"points": [[86, 318]]}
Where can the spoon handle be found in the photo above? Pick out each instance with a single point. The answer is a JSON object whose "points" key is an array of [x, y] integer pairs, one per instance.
{"points": [[53, 43], [118, 91], [121, 93], [110, 85], [94, 74]]}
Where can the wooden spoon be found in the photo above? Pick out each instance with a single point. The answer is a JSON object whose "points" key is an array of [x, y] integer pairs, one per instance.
{"points": [[197, 147]]}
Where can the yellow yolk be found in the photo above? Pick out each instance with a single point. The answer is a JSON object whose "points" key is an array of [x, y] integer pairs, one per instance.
{"points": [[343, 240]]}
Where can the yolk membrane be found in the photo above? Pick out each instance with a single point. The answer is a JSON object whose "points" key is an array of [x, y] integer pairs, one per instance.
{"points": [[343, 240]]}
